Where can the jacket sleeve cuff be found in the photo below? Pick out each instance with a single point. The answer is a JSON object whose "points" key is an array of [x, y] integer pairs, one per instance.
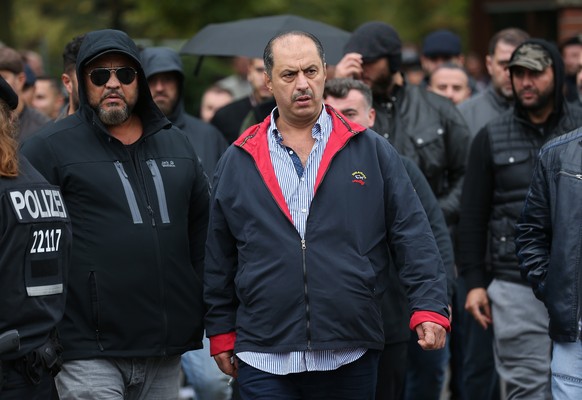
{"points": [[418, 317], [221, 343], [474, 278]]}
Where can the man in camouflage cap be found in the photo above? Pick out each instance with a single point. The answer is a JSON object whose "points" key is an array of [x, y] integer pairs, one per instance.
{"points": [[500, 166], [531, 56]]}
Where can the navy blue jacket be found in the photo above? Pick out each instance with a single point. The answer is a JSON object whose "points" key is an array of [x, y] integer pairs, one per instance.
{"points": [[281, 293], [548, 236]]}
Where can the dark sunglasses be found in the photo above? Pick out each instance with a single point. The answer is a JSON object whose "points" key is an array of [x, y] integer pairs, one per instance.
{"points": [[100, 76]]}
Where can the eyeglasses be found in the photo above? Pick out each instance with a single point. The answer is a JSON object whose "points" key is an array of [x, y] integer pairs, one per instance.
{"points": [[100, 76]]}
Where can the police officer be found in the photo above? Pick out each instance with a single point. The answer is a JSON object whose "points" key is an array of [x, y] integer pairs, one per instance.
{"points": [[35, 242]]}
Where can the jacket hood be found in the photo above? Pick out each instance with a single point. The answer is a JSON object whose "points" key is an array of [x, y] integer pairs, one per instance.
{"points": [[161, 59], [98, 43], [156, 60], [559, 75]]}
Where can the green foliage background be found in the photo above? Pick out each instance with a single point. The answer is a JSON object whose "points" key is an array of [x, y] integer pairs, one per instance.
{"points": [[46, 26]]}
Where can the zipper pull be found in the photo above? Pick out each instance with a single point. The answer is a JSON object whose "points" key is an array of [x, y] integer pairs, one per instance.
{"points": [[303, 246], [152, 215]]}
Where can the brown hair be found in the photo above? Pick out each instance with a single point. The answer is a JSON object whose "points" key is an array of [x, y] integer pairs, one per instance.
{"points": [[8, 144]]}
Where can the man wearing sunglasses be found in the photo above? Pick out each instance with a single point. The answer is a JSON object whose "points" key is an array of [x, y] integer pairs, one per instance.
{"points": [[138, 200]]}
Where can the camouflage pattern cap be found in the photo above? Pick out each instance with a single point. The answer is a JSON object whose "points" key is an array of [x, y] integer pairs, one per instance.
{"points": [[531, 56]]}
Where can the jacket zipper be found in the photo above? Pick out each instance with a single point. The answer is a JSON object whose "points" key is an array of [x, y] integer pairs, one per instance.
{"points": [[307, 308], [95, 307], [157, 241], [160, 191], [129, 193], [577, 176]]}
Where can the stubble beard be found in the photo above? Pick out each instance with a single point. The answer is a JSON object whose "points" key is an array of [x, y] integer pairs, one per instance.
{"points": [[381, 86], [543, 100]]}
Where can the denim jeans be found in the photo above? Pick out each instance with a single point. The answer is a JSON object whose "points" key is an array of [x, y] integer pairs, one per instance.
{"points": [[202, 373], [567, 371], [155, 378], [353, 381], [426, 370]]}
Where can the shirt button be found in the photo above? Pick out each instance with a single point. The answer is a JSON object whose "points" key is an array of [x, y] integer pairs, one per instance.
{"points": [[302, 179], [290, 151], [304, 210]]}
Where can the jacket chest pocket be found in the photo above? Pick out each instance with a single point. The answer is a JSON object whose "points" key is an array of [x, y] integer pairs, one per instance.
{"points": [[513, 169], [429, 144]]}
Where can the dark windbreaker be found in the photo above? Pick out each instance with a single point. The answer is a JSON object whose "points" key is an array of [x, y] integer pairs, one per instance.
{"points": [[139, 225]]}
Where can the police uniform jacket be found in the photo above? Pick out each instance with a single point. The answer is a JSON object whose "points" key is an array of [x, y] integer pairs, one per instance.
{"points": [[35, 247]]}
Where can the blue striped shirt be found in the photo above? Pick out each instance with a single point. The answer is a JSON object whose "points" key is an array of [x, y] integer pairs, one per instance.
{"points": [[298, 184]]}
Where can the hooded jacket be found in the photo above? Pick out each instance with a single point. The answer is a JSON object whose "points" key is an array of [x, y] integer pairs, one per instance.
{"points": [[139, 216], [281, 293], [501, 163], [207, 141]]}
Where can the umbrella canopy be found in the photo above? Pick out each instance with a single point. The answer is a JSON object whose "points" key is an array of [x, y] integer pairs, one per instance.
{"points": [[248, 37]]}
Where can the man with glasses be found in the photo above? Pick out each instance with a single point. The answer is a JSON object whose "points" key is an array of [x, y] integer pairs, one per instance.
{"points": [[138, 201]]}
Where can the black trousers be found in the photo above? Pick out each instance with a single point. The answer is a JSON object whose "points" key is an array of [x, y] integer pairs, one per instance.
{"points": [[392, 371], [353, 381], [17, 387]]}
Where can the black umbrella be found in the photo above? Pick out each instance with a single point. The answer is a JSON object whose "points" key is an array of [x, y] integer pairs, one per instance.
{"points": [[248, 37]]}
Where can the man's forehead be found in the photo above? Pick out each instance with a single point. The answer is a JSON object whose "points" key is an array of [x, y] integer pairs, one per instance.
{"points": [[295, 46], [450, 74], [353, 98]]}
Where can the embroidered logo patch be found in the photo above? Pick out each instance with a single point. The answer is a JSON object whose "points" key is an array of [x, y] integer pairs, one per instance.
{"points": [[359, 177], [168, 164]]}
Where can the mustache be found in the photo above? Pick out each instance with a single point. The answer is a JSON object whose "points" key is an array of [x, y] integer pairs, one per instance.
{"points": [[115, 92], [301, 94]]}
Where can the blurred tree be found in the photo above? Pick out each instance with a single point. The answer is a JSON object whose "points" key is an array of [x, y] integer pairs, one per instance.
{"points": [[47, 25]]}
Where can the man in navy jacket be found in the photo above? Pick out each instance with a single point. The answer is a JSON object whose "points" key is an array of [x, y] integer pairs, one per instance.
{"points": [[305, 211]]}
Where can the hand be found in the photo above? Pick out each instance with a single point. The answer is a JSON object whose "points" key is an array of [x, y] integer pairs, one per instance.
{"points": [[350, 66], [227, 363], [431, 336], [477, 304]]}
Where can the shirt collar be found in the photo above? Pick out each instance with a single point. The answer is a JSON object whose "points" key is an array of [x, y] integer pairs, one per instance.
{"points": [[321, 128]]}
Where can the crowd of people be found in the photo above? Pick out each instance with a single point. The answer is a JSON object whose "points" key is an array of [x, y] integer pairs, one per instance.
{"points": [[357, 232]]}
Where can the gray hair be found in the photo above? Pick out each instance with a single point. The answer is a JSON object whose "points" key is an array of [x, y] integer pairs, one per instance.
{"points": [[511, 36]]}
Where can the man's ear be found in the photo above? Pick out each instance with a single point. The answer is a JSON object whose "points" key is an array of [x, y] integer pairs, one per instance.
{"points": [[268, 82], [371, 117], [66, 79], [20, 81]]}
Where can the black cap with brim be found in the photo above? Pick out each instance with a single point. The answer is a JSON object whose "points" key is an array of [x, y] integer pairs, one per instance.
{"points": [[7, 94], [108, 51]]}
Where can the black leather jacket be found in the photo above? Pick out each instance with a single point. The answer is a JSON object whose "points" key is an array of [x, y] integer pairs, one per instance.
{"points": [[430, 130], [548, 235]]}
